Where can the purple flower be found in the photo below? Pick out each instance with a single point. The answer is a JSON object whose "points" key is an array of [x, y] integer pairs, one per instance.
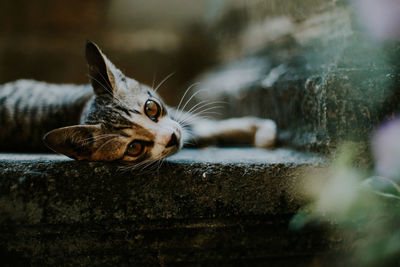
{"points": [[380, 17], [386, 149]]}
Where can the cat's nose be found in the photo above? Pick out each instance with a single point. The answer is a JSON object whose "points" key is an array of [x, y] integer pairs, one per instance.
{"points": [[173, 141]]}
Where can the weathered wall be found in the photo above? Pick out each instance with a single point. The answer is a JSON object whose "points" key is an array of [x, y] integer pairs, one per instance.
{"points": [[322, 80]]}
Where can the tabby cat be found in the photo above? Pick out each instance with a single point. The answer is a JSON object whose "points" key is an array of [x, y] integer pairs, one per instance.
{"points": [[115, 118]]}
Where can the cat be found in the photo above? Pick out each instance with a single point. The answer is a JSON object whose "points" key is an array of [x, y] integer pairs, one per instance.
{"points": [[115, 118]]}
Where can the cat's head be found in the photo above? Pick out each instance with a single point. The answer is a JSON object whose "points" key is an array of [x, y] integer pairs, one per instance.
{"points": [[126, 121]]}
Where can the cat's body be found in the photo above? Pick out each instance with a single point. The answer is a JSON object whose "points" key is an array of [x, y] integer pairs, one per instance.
{"points": [[116, 118], [29, 109]]}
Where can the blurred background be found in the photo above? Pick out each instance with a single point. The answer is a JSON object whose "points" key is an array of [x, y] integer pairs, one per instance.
{"points": [[324, 70], [327, 71], [147, 39]]}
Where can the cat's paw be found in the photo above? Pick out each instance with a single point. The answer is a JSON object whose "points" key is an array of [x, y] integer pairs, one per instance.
{"points": [[266, 133]]}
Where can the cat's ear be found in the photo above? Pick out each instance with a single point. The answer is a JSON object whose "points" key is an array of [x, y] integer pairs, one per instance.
{"points": [[77, 142], [102, 72]]}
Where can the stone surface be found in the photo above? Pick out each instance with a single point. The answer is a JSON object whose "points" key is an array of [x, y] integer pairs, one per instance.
{"points": [[321, 80], [210, 206]]}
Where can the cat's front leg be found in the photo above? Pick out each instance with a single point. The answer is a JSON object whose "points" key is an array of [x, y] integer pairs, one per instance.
{"points": [[245, 130]]}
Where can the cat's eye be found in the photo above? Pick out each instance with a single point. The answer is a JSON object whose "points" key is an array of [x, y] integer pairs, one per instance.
{"points": [[152, 110], [135, 148]]}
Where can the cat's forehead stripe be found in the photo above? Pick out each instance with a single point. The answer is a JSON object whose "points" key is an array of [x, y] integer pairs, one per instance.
{"points": [[141, 131], [123, 109], [106, 109]]}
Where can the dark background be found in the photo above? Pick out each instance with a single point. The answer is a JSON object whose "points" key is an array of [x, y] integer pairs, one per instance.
{"points": [[147, 40]]}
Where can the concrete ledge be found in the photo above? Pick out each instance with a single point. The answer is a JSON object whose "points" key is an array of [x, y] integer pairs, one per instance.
{"points": [[192, 184], [201, 206]]}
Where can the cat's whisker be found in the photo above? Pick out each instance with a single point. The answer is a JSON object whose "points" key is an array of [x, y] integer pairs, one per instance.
{"points": [[190, 121], [163, 81], [109, 90], [207, 112], [190, 141], [194, 109], [190, 138], [122, 169], [97, 137], [105, 143], [126, 167], [200, 105], [185, 123], [186, 114], [145, 164], [83, 143], [187, 102], [187, 90], [138, 166], [203, 108], [207, 116], [188, 118], [154, 80], [149, 164], [159, 163], [106, 83], [93, 139], [191, 116], [208, 103]]}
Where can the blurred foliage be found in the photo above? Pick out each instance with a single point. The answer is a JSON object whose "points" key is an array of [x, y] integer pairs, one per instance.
{"points": [[360, 203]]}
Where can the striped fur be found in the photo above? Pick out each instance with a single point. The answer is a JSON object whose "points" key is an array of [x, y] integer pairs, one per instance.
{"points": [[29, 109]]}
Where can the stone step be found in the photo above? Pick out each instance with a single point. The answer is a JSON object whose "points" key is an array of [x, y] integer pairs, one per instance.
{"points": [[207, 206], [323, 82]]}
